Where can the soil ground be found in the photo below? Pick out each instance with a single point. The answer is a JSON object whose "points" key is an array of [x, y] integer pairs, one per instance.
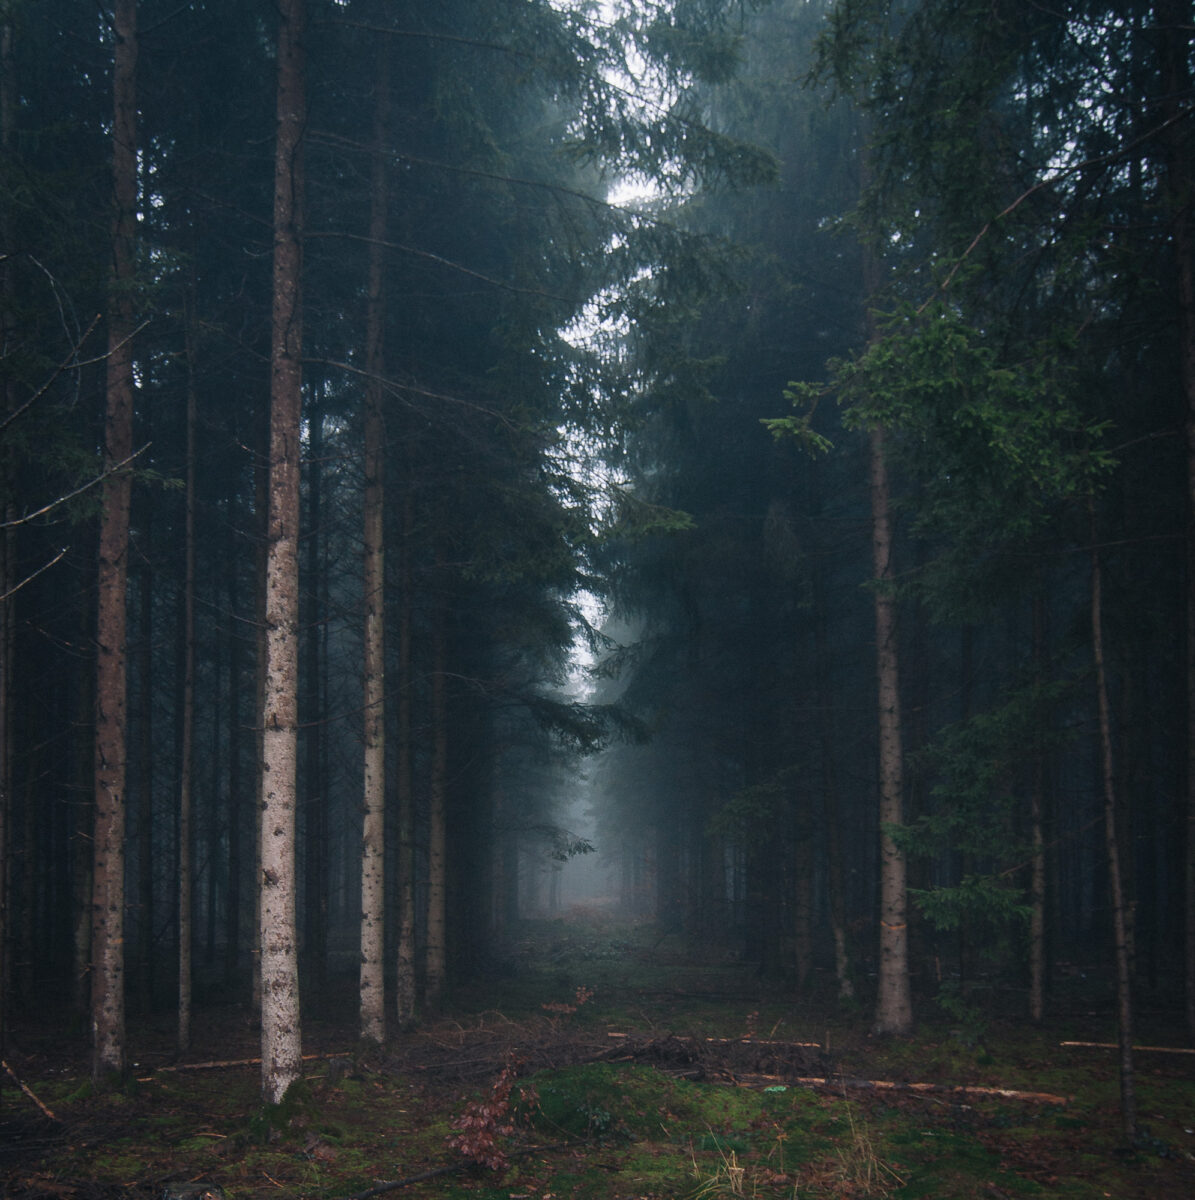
{"points": [[607, 1063]]}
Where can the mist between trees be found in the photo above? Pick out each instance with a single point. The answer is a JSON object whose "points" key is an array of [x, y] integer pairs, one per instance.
{"points": [[394, 525]]}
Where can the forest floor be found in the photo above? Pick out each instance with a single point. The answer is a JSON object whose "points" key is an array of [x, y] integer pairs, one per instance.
{"points": [[607, 1064]]}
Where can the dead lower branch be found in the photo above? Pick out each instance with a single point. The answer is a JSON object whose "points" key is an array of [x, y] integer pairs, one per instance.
{"points": [[27, 1091]]}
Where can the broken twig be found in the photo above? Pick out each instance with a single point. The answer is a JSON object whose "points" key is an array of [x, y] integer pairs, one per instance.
{"points": [[27, 1091]]}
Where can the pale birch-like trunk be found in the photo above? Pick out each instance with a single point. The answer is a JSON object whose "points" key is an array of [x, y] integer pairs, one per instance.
{"points": [[261, 519], [894, 1008], [281, 1040], [111, 700], [373, 834], [1120, 935], [404, 985]]}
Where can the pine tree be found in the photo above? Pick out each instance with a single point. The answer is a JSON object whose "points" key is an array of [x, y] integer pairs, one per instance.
{"points": [[107, 935], [281, 1045], [373, 892]]}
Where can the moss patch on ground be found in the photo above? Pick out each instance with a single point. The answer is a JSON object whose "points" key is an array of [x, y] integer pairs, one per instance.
{"points": [[581, 1124]]}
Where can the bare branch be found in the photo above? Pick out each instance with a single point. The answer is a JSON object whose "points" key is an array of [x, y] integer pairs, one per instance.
{"points": [[41, 512], [12, 591], [69, 362], [444, 262]]}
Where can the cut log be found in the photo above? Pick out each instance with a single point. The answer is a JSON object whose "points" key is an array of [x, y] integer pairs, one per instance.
{"points": [[1136, 1049]]}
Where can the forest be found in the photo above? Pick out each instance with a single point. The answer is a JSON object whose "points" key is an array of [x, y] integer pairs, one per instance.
{"points": [[721, 467]]}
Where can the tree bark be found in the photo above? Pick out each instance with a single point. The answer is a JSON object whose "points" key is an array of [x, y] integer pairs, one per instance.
{"points": [[894, 1008], [1037, 794], [405, 986], [830, 814], [261, 521], [1176, 19], [281, 1039], [373, 833], [314, 674], [145, 784], [187, 747], [8, 111], [1120, 940], [107, 909], [232, 911], [435, 975]]}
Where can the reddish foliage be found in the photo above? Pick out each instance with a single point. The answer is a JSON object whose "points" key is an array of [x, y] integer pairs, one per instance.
{"points": [[484, 1121]]}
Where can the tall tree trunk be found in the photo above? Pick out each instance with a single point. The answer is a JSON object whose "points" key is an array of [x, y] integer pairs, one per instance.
{"points": [[436, 972], [894, 1008], [212, 828], [373, 832], [187, 747], [281, 1041], [1120, 939], [830, 814], [261, 522], [803, 906], [107, 932], [82, 849], [1037, 795], [1176, 20], [8, 112], [232, 911], [405, 985], [145, 786], [314, 776]]}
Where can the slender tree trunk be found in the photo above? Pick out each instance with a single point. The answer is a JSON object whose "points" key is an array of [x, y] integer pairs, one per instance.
{"points": [[232, 912], [1176, 20], [1037, 795], [373, 834], [145, 786], [894, 1008], [314, 775], [261, 520], [212, 828], [82, 841], [187, 747], [830, 815], [437, 867], [1120, 941], [8, 112], [803, 908], [5, 765], [281, 1042], [405, 984], [107, 932]]}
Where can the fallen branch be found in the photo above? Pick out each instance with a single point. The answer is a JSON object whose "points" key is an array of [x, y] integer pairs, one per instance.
{"points": [[392, 1185], [1136, 1049], [953, 1089], [961, 1089], [28, 1092], [236, 1062], [743, 1041]]}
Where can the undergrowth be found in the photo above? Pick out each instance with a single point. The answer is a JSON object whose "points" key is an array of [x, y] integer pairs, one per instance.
{"points": [[608, 1130]]}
